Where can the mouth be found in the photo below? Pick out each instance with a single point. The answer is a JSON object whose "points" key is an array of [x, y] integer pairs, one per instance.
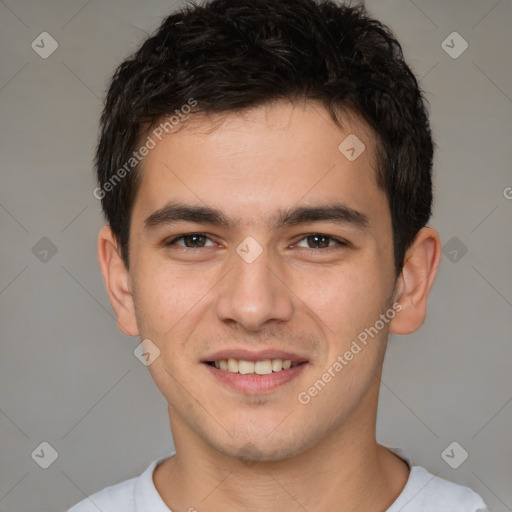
{"points": [[262, 367], [255, 373]]}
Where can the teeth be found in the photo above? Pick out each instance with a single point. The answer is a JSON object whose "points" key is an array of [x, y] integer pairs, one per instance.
{"points": [[264, 367], [245, 367], [277, 364]]}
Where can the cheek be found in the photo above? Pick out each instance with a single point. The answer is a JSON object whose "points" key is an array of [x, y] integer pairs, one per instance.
{"points": [[165, 296], [345, 299], [168, 301]]}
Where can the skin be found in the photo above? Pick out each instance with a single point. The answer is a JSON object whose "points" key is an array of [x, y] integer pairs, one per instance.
{"points": [[238, 451]]}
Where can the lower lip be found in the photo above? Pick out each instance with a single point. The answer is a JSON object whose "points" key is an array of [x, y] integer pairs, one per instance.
{"points": [[255, 384]]}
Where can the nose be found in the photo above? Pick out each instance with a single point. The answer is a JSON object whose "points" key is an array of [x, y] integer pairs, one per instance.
{"points": [[254, 294]]}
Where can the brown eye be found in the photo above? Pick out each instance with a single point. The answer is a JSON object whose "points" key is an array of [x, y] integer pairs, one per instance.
{"points": [[320, 241], [191, 240]]}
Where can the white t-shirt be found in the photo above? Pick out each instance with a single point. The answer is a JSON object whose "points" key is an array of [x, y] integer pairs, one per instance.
{"points": [[423, 492]]}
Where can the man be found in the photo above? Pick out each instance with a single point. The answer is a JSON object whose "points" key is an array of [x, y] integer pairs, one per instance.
{"points": [[265, 171]]}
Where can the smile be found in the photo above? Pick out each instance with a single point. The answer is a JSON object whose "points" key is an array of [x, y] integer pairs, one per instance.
{"points": [[242, 376], [244, 367]]}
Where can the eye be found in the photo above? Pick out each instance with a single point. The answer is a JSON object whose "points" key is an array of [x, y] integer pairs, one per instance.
{"points": [[320, 241], [191, 241]]}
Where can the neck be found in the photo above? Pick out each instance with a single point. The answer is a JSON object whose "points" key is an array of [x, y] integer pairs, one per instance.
{"points": [[346, 467]]}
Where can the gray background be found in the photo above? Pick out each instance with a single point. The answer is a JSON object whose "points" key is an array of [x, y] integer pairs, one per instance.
{"points": [[69, 378]]}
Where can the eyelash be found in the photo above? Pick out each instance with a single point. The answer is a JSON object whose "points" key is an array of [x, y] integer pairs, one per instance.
{"points": [[339, 242]]}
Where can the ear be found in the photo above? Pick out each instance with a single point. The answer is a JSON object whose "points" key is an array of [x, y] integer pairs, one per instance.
{"points": [[117, 281], [415, 281]]}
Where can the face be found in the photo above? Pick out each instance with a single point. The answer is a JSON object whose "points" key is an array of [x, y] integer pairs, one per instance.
{"points": [[257, 239]]}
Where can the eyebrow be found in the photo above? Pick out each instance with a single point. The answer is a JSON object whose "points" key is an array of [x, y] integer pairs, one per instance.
{"points": [[332, 212]]}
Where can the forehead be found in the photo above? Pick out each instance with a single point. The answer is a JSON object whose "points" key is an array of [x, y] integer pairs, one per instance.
{"points": [[251, 163]]}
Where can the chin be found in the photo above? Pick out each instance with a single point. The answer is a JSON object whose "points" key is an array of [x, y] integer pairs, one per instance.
{"points": [[261, 449]]}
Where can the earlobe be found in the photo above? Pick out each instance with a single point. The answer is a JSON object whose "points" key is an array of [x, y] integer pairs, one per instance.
{"points": [[117, 281], [416, 280]]}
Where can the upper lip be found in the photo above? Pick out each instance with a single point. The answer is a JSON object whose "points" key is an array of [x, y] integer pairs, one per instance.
{"points": [[248, 355]]}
